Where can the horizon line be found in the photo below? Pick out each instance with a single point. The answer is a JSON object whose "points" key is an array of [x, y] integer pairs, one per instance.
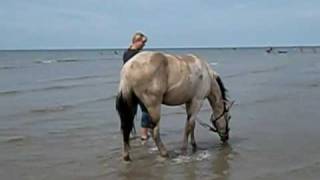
{"points": [[151, 48]]}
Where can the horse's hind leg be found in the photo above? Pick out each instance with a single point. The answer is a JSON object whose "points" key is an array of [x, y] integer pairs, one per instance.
{"points": [[154, 112], [127, 111], [193, 109]]}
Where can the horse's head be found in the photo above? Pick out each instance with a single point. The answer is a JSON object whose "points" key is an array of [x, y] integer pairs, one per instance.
{"points": [[221, 122]]}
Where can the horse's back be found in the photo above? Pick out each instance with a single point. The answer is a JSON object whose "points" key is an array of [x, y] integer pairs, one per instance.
{"points": [[188, 79], [146, 62], [146, 71], [177, 78]]}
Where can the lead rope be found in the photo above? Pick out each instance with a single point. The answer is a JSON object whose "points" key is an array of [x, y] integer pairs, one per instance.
{"points": [[206, 125]]}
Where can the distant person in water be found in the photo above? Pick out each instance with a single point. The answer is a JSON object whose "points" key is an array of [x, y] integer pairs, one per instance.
{"points": [[269, 50], [138, 42]]}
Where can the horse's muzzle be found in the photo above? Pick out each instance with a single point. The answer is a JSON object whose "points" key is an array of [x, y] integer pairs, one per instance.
{"points": [[224, 138]]}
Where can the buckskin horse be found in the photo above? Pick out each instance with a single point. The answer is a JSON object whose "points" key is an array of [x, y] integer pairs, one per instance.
{"points": [[154, 78]]}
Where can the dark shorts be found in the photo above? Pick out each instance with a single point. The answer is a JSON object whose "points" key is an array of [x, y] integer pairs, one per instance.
{"points": [[145, 118]]}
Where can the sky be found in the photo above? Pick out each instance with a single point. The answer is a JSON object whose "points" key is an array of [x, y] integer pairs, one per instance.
{"points": [[64, 24]]}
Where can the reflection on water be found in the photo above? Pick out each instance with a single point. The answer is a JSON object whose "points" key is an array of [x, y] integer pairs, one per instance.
{"points": [[209, 163], [220, 164]]}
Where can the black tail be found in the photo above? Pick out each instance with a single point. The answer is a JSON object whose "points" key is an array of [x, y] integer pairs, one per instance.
{"points": [[127, 109]]}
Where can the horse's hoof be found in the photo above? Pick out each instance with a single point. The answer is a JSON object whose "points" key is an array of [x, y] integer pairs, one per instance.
{"points": [[165, 155], [126, 158], [224, 141], [184, 151], [194, 148]]}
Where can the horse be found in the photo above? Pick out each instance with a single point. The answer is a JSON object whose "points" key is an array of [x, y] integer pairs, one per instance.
{"points": [[154, 78]]}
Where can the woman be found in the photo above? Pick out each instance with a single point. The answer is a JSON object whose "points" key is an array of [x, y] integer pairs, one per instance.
{"points": [[138, 42]]}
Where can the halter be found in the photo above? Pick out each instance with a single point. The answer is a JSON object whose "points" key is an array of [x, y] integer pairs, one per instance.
{"points": [[211, 128], [215, 129]]}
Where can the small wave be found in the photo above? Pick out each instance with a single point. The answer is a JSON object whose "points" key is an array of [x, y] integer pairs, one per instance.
{"points": [[69, 106], [258, 71], [58, 87], [113, 82], [52, 109], [271, 99], [45, 61], [62, 107], [49, 61], [68, 60], [8, 67], [12, 92], [12, 139], [107, 98], [214, 63], [97, 100], [77, 78]]}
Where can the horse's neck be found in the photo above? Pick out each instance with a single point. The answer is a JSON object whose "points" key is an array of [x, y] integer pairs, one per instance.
{"points": [[215, 99]]}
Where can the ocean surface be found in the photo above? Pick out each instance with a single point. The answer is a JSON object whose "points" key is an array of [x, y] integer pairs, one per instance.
{"points": [[58, 118]]}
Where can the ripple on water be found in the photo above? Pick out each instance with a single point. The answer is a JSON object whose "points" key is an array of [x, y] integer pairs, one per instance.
{"points": [[12, 139]]}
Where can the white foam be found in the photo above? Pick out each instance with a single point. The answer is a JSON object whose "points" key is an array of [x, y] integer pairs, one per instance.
{"points": [[45, 61], [152, 150], [203, 155], [182, 159], [214, 63]]}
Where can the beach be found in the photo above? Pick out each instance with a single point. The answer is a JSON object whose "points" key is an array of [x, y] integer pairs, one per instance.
{"points": [[58, 118]]}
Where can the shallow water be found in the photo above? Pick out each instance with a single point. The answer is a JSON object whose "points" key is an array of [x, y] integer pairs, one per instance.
{"points": [[58, 121]]}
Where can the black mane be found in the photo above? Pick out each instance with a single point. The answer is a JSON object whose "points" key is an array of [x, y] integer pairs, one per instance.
{"points": [[223, 89]]}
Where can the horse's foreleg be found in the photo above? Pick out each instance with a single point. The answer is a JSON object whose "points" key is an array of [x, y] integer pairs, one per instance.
{"points": [[189, 129], [185, 137], [192, 110], [158, 141], [154, 113], [193, 141]]}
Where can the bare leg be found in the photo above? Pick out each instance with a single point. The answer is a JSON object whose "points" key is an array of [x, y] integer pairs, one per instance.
{"points": [[145, 123], [144, 133]]}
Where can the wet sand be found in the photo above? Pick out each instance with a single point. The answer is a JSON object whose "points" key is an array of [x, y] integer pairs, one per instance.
{"points": [[274, 127]]}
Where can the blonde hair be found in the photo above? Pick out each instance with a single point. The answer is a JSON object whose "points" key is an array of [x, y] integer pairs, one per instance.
{"points": [[138, 36]]}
